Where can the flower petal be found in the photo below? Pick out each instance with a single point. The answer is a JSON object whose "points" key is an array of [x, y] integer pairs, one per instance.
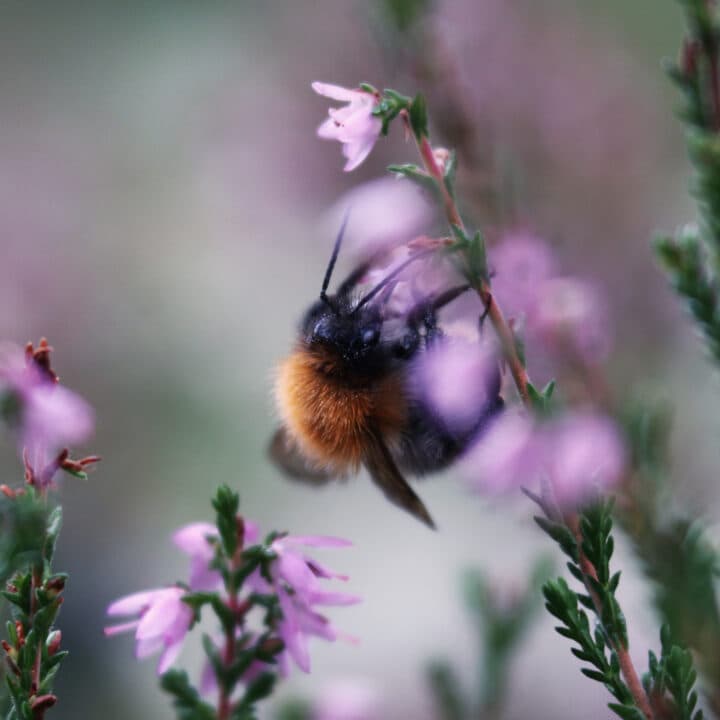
{"points": [[163, 616], [123, 627], [193, 538], [134, 603], [334, 598], [169, 656], [314, 541], [334, 92]]}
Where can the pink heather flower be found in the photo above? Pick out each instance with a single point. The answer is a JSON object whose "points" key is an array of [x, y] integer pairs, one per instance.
{"points": [[50, 416], [519, 264], [193, 540], [297, 583], [579, 454], [164, 620], [569, 313], [353, 125], [454, 378], [348, 700]]}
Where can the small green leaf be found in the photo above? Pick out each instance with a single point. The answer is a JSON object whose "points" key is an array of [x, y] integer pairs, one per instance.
{"points": [[419, 117], [260, 688], [414, 174]]}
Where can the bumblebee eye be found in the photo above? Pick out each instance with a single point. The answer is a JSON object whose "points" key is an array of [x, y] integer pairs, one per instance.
{"points": [[323, 329], [370, 336]]}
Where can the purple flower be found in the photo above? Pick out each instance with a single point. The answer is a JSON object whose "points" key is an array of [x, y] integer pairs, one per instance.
{"points": [[586, 455], [577, 455], [348, 700], [353, 125], [570, 315], [195, 540], [297, 583], [505, 457], [164, 620], [519, 264], [390, 211], [454, 378], [49, 417]]}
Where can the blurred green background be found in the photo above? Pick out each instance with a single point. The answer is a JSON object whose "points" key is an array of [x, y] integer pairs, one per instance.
{"points": [[162, 196]]}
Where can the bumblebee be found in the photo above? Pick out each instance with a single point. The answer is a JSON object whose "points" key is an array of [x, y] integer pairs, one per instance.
{"points": [[345, 394]]}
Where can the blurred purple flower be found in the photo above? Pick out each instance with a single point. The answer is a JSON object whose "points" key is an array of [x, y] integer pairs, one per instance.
{"points": [[520, 263], [49, 417], [195, 540], [454, 378], [569, 315], [389, 211], [585, 454], [578, 454], [348, 700], [506, 457], [353, 125], [296, 581], [164, 620]]}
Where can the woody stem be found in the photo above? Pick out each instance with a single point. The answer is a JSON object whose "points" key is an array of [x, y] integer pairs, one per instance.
{"points": [[494, 312]]}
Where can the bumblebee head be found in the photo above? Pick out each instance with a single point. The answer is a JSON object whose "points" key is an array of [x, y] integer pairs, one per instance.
{"points": [[348, 329], [331, 325]]}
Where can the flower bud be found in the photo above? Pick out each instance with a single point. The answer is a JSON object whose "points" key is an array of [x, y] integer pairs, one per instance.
{"points": [[53, 642]]}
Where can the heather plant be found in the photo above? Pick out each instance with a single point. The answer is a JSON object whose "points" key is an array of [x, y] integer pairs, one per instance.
{"points": [[44, 417], [589, 463]]}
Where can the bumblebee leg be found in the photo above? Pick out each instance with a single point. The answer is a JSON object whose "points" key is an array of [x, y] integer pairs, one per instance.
{"points": [[486, 311], [425, 314]]}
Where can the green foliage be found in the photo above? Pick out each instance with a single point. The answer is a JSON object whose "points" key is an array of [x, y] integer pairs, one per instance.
{"points": [[445, 688], [684, 568], [692, 260], [390, 105], [295, 709], [471, 256], [403, 14], [674, 550], [685, 261], [186, 699], [34, 594], [670, 680], [597, 546], [419, 117], [415, 174], [23, 523], [541, 399], [598, 648], [501, 622], [592, 648], [226, 504]]}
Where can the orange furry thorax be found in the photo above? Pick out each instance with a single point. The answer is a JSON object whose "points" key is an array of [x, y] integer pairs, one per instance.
{"points": [[329, 413]]}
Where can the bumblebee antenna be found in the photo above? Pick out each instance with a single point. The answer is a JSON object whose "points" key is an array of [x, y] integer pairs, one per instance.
{"points": [[391, 276], [333, 260]]}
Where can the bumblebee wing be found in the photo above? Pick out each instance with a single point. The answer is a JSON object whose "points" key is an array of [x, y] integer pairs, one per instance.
{"points": [[287, 456], [387, 477]]}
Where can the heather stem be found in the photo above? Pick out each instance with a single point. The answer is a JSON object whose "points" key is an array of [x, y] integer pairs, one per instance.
{"points": [[228, 657], [629, 673], [237, 611], [499, 323]]}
